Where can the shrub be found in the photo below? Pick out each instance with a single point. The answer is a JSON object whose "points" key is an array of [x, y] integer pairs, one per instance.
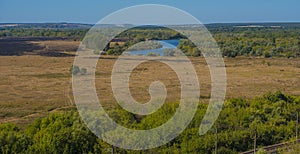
{"points": [[153, 54], [83, 71], [267, 54], [75, 70]]}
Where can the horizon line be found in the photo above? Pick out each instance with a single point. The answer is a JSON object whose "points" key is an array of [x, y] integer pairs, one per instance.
{"points": [[242, 22]]}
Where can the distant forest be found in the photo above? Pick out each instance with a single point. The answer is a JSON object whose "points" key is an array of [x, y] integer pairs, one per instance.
{"points": [[247, 39]]}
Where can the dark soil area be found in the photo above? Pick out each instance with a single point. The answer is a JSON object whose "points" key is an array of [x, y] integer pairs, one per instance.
{"points": [[17, 46]]}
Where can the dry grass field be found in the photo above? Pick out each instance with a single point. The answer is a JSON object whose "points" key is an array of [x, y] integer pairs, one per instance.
{"points": [[33, 85]]}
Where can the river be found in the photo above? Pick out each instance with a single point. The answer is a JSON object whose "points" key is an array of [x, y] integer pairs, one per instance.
{"points": [[166, 44]]}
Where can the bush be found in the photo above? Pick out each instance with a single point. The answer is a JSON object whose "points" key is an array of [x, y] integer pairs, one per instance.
{"points": [[267, 54], [261, 151], [153, 54], [83, 71], [169, 52], [75, 70]]}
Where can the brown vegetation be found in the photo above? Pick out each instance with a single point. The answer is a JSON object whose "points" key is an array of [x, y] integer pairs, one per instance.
{"points": [[35, 85]]}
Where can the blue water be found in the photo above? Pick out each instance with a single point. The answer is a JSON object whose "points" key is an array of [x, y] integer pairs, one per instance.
{"points": [[166, 44]]}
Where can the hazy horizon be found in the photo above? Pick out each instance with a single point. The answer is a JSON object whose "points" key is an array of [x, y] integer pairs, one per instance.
{"points": [[231, 11], [63, 22]]}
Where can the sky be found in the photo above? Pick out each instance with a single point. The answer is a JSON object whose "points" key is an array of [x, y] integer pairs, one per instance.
{"points": [[91, 11]]}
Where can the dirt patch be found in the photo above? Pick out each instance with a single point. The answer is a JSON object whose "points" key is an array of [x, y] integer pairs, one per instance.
{"points": [[44, 46]]}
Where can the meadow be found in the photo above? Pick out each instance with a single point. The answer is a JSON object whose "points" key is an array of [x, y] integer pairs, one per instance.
{"points": [[33, 85]]}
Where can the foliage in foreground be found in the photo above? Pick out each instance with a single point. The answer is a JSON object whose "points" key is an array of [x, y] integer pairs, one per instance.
{"points": [[272, 116]]}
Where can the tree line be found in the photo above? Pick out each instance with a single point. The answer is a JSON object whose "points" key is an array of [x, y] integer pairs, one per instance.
{"points": [[269, 119], [233, 41], [75, 34]]}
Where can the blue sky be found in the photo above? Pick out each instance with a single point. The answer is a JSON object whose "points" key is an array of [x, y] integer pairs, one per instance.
{"points": [[91, 11]]}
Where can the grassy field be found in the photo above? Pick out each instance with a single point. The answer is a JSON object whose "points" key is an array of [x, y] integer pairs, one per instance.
{"points": [[33, 85]]}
